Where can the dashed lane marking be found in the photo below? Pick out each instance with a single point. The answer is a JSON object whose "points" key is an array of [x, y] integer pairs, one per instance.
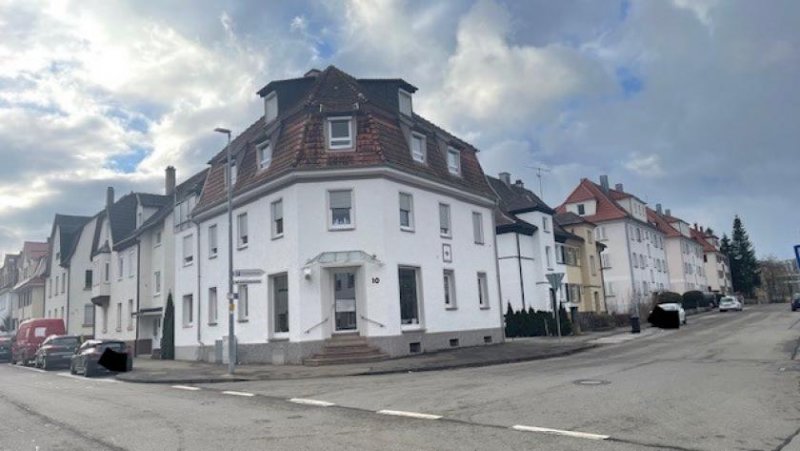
{"points": [[575, 434], [401, 413], [311, 402], [237, 393], [186, 387]]}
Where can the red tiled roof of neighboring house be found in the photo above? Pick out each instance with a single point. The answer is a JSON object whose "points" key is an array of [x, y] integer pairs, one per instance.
{"points": [[299, 143], [607, 208], [700, 237], [35, 249], [662, 224]]}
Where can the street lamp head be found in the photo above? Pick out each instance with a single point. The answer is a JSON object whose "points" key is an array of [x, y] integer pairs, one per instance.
{"points": [[223, 130]]}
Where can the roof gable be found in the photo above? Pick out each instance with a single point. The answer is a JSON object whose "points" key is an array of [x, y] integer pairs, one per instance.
{"points": [[607, 208]]}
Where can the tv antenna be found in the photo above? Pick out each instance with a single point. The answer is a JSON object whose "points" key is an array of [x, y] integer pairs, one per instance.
{"points": [[539, 171]]}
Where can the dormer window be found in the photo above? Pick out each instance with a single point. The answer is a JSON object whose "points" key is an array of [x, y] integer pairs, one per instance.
{"points": [[453, 161], [404, 99], [270, 107], [231, 173], [418, 147], [264, 154], [340, 132]]}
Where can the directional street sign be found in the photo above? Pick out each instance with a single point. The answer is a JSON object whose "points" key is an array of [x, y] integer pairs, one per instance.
{"points": [[247, 276]]}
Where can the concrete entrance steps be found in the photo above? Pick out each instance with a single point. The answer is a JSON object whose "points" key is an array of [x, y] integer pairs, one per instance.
{"points": [[345, 348]]}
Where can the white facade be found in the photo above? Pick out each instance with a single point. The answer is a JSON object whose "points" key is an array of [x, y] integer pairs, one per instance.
{"points": [[156, 281], [531, 258], [56, 284], [315, 269], [80, 316], [686, 267]]}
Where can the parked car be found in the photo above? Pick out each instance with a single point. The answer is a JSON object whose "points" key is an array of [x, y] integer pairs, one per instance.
{"points": [[5, 349], [675, 307], [30, 335], [86, 359], [56, 350], [729, 303], [796, 303]]}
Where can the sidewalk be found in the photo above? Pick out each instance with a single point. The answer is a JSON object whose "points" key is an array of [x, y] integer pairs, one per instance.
{"points": [[514, 350]]}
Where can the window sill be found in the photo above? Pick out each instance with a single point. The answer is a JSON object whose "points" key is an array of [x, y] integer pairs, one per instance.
{"points": [[479, 244], [155, 295], [407, 229], [188, 326], [340, 228], [242, 320], [212, 324], [185, 264], [280, 338], [485, 307], [447, 237], [277, 237], [212, 256], [451, 307], [119, 330], [241, 247], [412, 328]]}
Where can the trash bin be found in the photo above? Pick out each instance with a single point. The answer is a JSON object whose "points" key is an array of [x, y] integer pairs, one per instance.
{"points": [[635, 326]]}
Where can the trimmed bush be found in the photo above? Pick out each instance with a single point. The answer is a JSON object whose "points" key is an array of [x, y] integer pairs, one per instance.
{"points": [[168, 332], [668, 297], [535, 323]]}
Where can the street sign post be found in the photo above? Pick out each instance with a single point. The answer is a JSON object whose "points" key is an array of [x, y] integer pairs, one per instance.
{"points": [[797, 253], [555, 279]]}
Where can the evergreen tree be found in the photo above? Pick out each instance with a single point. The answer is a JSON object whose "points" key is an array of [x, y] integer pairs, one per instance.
{"points": [[742, 256], [168, 331]]}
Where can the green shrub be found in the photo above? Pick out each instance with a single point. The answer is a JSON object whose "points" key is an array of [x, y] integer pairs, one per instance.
{"points": [[168, 332], [535, 323], [668, 297]]}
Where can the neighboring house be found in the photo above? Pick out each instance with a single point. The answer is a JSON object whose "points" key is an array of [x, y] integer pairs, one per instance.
{"points": [[684, 252], [60, 275], [634, 262], [29, 289], [155, 244], [582, 258], [716, 267], [9, 275], [526, 246], [365, 219]]}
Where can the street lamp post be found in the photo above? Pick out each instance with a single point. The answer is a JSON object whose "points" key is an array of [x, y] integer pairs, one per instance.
{"points": [[230, 296]]}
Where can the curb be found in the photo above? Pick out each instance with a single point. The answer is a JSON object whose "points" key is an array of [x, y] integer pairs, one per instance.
{"points": [[476, 364]]}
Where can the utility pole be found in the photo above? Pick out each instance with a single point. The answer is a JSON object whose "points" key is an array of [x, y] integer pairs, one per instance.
{"points": [[231, 296]]}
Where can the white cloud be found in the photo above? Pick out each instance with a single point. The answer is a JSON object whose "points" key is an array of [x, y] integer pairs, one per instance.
{"points": [[645, 165]]}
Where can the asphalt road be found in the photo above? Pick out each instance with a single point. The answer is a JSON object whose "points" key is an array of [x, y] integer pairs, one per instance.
{"points": [[725, 382]]}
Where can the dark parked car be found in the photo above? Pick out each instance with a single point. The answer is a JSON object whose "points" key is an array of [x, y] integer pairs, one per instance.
{"points": [[5, 349], [55, 351], [796, 304], [86, 359]]}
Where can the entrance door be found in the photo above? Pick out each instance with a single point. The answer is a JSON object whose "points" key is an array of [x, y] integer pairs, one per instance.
{"points": [[344, 298]]}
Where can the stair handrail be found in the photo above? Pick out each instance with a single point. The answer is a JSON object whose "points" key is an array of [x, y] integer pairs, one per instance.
{"points": [[372, 321], [333, 305]]}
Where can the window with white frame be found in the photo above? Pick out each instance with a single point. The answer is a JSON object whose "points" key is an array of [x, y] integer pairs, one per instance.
{"points": [[270, 107], [157, 238], [589, 236], [264, 151], [88, 314], [605, 261], [560, 253], [212, 306], [107, 273], [157, 283], [188, 250], [548, 256], [454, 161], [242, 304], [120, 267], [131, 265], [409, 288], [404, 100], [341, 209], [483, 290], [340, 132], [545, 224], [188, 310], [241, 226], [592, 265], [635, 260], [105, 319], [213, 247], [444, 220], [130, 314], [406, 211], [449, 279], [119, 316], [477, 227], [418, 147], [232, 173], [276, 209], [581, 209], [609, 289], [280, 304]]}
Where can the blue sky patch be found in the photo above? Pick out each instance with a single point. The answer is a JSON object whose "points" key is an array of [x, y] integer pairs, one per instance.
{"points": [[127, 163], [630, 83]]}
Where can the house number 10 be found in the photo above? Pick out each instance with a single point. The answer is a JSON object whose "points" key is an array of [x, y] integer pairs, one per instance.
{"points": [[376, 280]]}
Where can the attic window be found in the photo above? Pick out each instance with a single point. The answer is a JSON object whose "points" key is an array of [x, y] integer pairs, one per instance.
{"points": [[340, 132], [453, 161], [264, 154], [581, 209], [404, 99], [230, 179], [270, 107], [418, 147]]}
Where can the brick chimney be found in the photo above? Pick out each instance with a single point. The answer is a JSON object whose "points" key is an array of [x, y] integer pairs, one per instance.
{"points": [[109, 196], [604, 183], [668, 212], [658, 209]]}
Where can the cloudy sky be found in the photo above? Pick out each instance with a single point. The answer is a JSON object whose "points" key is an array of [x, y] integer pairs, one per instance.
{"points": [[690, 103]]}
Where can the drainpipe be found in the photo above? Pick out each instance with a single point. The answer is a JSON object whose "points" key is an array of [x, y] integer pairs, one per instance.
{"points": [[66, 314], [138, 284], [497, 268], [519, 264], [201, 351]]}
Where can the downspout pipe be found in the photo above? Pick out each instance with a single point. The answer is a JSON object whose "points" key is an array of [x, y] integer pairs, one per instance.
{"points": [[138, 292], [202, 349], [519, 265]]}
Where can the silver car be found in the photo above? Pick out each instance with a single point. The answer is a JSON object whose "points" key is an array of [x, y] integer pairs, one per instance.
{"points": [[729, 303]]}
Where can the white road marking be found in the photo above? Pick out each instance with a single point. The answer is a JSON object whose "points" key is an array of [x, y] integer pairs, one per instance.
{"points": [[29, 368], [82, 378], [401, 413], [186, 387], [311, 402], [237, 393], [575, 434]]}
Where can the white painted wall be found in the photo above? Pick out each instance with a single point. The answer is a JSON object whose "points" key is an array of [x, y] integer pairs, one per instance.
{"points": [[79, 295], [377, 232]]}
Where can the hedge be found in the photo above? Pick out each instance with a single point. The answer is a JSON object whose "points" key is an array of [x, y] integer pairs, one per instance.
{"points": [[535, 323]]}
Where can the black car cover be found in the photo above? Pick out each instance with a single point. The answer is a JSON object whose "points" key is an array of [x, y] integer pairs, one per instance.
{"points": [[665, 319]]}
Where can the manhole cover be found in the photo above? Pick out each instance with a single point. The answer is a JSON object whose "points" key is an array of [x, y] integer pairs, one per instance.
{"points": [[591, 382]]}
